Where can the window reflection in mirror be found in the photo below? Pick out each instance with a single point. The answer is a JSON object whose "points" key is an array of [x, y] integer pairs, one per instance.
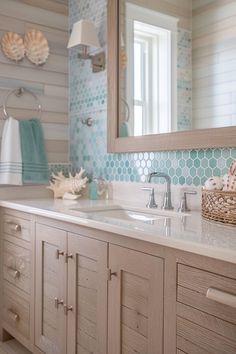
{"points": [[149, 55], [177, 66]]}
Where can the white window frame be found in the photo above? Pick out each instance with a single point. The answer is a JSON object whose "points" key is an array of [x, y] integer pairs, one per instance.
{"points": [[150, 17]]}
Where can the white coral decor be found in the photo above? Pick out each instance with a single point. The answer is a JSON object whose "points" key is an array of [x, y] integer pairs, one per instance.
{"points": [[68, 187]]}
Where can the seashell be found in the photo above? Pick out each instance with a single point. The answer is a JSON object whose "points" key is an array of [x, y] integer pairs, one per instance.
{"points": [[13, 46], [214, 183], [63, 186], [36, 47], [229, 183], [232, 169]]}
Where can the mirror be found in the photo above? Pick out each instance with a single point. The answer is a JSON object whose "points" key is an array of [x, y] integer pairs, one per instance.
{"points": [[176, 73]]}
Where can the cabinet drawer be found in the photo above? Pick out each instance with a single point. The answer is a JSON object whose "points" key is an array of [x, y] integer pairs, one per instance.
{"points": [[188, 347], [16, 265], [206, 340], [16, 226], [206, 312], [208, 292], [16, 310]]}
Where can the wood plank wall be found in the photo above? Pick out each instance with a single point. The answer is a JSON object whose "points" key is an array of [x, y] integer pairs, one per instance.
{"points": [[50, 81], [59, 6], [214, 63], [181, 9]]}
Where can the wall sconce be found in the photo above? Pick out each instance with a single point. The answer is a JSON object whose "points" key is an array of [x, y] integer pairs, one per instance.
{"points": [[84, 34]]}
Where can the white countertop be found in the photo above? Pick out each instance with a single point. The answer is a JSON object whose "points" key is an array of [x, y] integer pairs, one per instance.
{"points": [[188, 233]]}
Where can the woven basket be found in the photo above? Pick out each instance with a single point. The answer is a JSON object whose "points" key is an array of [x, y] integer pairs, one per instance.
{"points": [[219, 206]]}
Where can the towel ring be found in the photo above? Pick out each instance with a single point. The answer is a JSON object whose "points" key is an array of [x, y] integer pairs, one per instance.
{"points": [[18, 93]]}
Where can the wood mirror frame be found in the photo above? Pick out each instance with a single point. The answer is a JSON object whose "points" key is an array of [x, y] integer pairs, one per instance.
{"points": [[183, 140]]}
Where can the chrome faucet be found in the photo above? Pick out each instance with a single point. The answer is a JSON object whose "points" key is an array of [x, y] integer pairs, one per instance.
{"points": [[167, 204], [151, 202], [183, 207]]}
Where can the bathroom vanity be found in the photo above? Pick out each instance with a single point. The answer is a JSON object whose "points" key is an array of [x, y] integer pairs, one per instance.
{"points": [[74, 283], [101, 278]]}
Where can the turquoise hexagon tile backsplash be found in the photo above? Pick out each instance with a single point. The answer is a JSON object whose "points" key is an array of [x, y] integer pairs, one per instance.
{"points": [[88, 97]]}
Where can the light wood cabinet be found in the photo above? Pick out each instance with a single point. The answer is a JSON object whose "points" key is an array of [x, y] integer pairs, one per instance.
{"points": [[87, 295], [50, 289], [16, 310], [76, 270], [16, 265], [68, 289], [16, 277], [71, 293], [135, 302], [206, 311]]}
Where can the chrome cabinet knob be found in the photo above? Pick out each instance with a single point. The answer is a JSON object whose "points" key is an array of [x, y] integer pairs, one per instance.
{"points": [[68, 256], [58, 302], [13, 315], [67, 309], [13, 272], [15, 227], [59, 253], [111, 274]]}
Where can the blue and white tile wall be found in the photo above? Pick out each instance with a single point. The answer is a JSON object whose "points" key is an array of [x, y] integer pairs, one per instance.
{"points": [[88, 97], [60, 167]]}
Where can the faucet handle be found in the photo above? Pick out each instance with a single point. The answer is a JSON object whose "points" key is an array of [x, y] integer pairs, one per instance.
{"points": [[183, 207], [151, 203]]}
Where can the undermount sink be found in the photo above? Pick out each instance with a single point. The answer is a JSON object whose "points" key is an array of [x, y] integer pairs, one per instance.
{"points": [[124, 213]]}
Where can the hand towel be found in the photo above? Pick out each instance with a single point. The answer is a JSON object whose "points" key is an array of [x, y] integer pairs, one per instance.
{"points": [[11, 160], [34, 156]]}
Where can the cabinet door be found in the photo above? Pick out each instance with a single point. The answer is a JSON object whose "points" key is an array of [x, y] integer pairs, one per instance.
{"points": [[50, 321], [135, 322], [87, 295]]}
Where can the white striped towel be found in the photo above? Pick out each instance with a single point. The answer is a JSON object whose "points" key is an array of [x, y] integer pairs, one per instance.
{"points": [[11, 158]]}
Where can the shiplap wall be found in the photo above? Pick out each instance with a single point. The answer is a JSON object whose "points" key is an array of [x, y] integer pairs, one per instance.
{"points": [[50, 81], [214, 63], [59, 6], [181, 9]]}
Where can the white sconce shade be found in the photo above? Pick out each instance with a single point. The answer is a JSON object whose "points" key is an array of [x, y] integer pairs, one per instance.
{"points": [[84, 32]]}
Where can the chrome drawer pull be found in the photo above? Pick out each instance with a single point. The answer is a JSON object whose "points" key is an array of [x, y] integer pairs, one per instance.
{"points": [[68, 256], [111, 274], [59, 253], [58, 302], [67, 309], [13, 315], [15, 227], [14, 273], [221, 296]]}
